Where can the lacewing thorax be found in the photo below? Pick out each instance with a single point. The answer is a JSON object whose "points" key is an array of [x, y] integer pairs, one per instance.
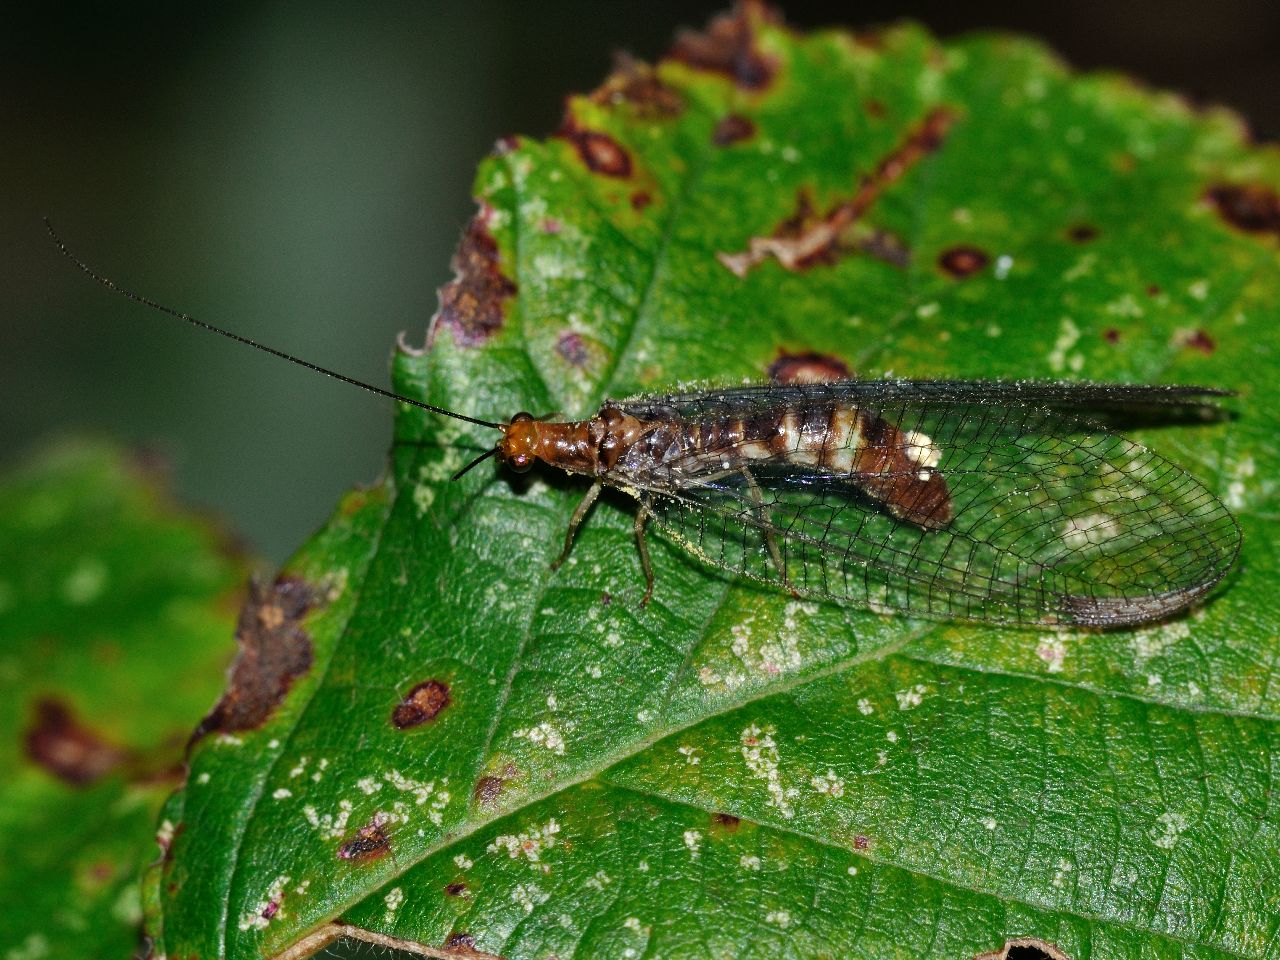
{"points": [[999, 501]]}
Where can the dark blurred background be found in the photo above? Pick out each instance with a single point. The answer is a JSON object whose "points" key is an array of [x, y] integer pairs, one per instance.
{"points": [[300, 172]]}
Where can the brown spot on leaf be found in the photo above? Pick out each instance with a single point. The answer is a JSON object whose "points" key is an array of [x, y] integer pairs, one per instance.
{"points": [[641, 199], [1153, 290], [463, 945], [733, 128], [421, 705], [726, 821], [572, 349], [1025, 948], [66, 748], [487, 790], [456, 889], [551, 225], [1196, 340], [1082, 233], [1247, 207], [371, 842], [807, 368], [728, 46], [963, 261], [1111, 335], [606, 598], [804, 240], [874, 108], [600, 153], [636, 84], [274, 652], [861, 842], [471, 303]]}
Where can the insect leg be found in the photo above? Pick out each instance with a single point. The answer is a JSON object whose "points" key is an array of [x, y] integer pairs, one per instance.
{"points": [[767, 528], [642, 515], [575, 521]]}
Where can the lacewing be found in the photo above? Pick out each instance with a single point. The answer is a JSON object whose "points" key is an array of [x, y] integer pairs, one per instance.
{"points": [[996, 501]]}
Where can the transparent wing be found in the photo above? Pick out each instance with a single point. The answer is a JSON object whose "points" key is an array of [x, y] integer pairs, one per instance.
{"points": [[1054, 521]]}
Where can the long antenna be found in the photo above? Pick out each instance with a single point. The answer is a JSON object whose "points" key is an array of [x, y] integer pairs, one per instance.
{"points": [[178, 315]]}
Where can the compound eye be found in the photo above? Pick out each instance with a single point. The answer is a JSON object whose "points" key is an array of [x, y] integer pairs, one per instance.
{"points": [[520, 463], [522, 417]]}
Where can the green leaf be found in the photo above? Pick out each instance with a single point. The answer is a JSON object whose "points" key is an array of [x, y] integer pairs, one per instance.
{"points": [[115, 613], [729, 772]]}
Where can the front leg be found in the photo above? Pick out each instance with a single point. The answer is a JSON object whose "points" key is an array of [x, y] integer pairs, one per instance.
{"points": [[576, 521]]}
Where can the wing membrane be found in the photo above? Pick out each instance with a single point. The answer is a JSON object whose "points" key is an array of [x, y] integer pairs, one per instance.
{"points": [[1055, 520]]}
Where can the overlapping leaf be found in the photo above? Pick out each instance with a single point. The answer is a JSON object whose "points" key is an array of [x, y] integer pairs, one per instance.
{"points": [[115, 618]]}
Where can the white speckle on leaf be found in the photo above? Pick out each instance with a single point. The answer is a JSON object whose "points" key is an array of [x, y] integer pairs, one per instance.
{"points": [[852, 871], [368, 785], [690, 754], [599, 881], [993, 330], [632, 923], [864, 707], [693, 841], [1051, 649], [281, 793], [1064, 867], [300, 768], [1167, 828], [779, 918], [892, 736], [760, 753], [1244, 469], [463, 862], [1199, 289], [927, 310], [86, 582], [1003, 265], [749, 862], [1149, 642], [544, 735], [911, 697], [393, 899], [594, 672], [828, 783], [1126, 305], [531, 844], [528, 896], [1081, 268], [989, 822], [1090, 530], [265, 910], [330, 825], [203, 778], [164, 834], [1068, 336]]}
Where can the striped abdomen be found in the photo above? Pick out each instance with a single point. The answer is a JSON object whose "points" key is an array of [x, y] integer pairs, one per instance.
{"points": [[898, 468]]}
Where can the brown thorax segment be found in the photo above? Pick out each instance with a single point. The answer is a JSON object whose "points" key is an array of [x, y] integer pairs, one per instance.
{"points": [[592, 447]]}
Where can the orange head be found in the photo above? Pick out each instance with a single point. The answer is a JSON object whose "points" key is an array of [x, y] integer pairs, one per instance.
{"points": [[521, 442]]}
